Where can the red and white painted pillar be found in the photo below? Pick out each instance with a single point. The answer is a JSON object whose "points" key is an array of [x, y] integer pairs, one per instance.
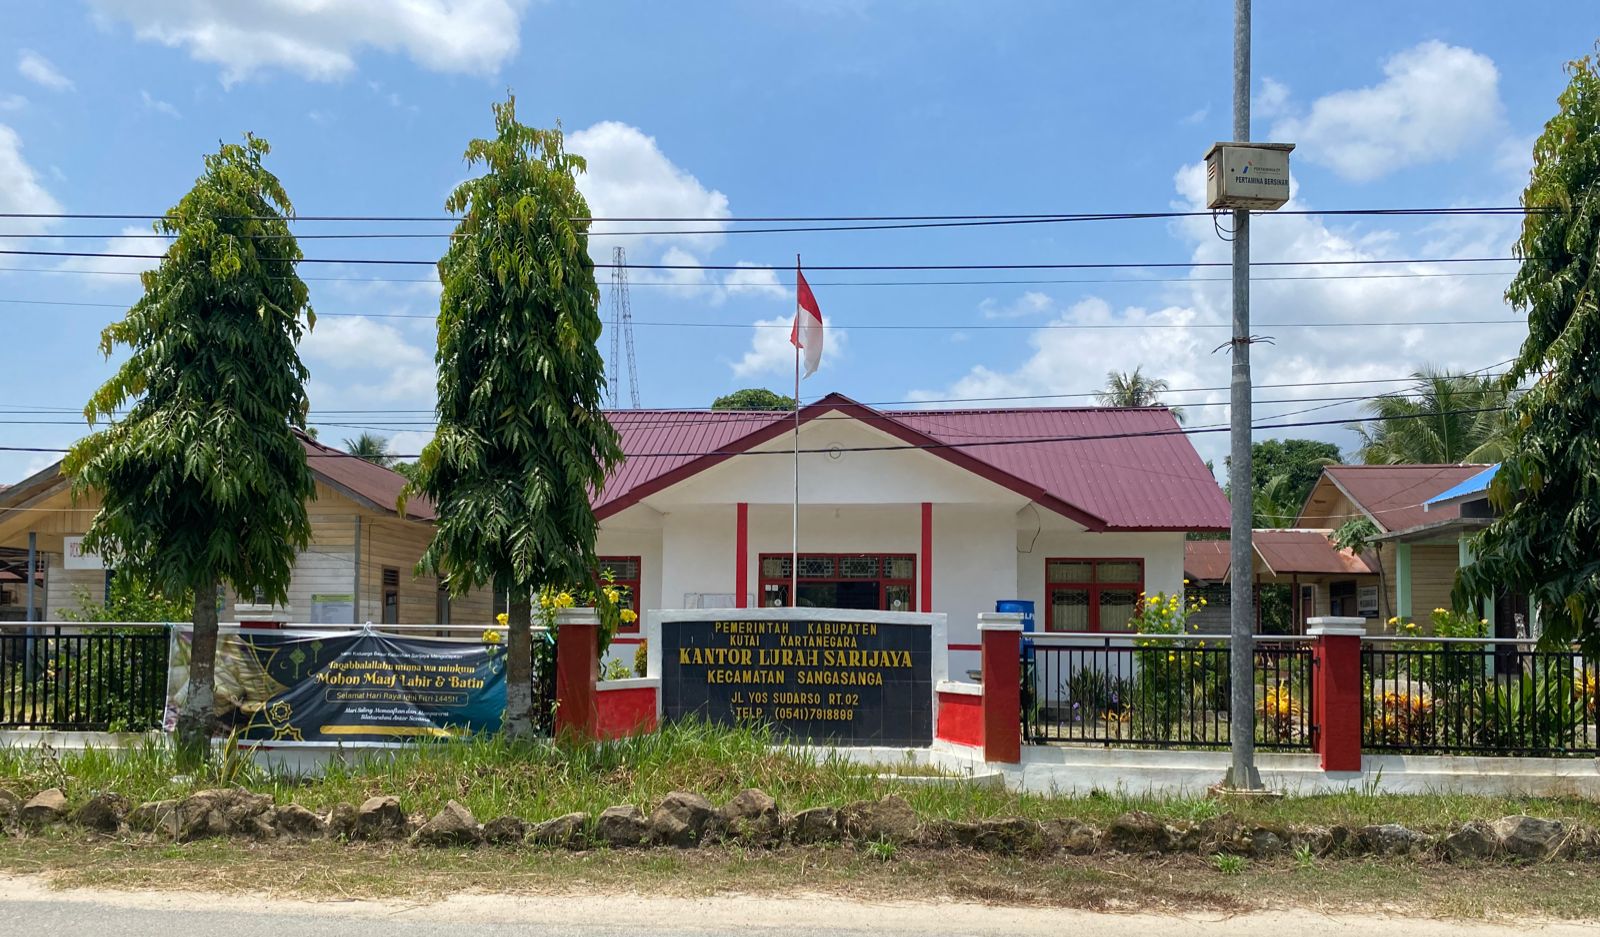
{"points": [[1000, 634], [1336, 691]]}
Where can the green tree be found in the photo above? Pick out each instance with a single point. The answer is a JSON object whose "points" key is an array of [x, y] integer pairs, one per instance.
{"points": [[1275, 504], [1545, 541], [1135, 389], [1358, 535], [1301, 460], [372, 448], [522, 440], [1441, 419], [129, 599], [753, 398], [204, 481]]}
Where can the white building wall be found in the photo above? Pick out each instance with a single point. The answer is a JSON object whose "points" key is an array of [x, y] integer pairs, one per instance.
{"points": [[1162, 554]]}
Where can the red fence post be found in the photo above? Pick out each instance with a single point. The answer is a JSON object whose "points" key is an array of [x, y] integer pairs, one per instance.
{"points": [[577, 672], [1336, 691], [1000, 634]]}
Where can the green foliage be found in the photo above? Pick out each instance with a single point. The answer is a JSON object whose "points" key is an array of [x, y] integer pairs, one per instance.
{"points": [[203, 478], [1355, 534], [1229, 864], [522, 439], [1135, 389], [1547, 537], [1305, 858], [882, 849], [1299, 460], [617, 670], [130, 599], [1276, 504], [753, 398], [641, 660], [1094, 692], [371, 447], [1441, 419]]}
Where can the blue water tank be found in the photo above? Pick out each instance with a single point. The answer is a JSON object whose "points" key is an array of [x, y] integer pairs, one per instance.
{"points": [[1024, 606]]}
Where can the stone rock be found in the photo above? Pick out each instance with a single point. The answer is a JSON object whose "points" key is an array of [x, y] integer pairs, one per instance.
{"points": [[621, 827], [10, 803], [1073, 837], [1317, 839], [102, 812], [1530, 837], [1139, 832], [45, 807], [453, 826], [1583, 843], [224, 812], [751, 816], [1392, 839], [341, 821], [1475, 840], [1012, 836], [1222, 833], [380, 818], [156, 816], [505, 831], [890, 819], [1267, 843], [295, 820], [564, 831], [682, 819], [1342, 840], [817, 825]]}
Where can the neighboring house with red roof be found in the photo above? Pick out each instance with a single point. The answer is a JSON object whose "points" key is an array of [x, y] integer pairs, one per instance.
{"points": [[1420, 546], [359, 566], [1327, 580], [1076, 509]]}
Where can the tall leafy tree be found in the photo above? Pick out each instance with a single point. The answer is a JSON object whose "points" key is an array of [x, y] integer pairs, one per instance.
{"points": [[1135, 389], [203, 481], [1546, 540], [1440, 419], [753, 398], [522, 441], [1301, 460], [372, 448], [1275, 504]]}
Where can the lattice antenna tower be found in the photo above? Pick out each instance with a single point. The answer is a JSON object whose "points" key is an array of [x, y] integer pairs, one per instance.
{"points": [[622, 330]]}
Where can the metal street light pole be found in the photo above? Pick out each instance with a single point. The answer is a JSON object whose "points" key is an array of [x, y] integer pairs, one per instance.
{"points": [[1242, 773]]}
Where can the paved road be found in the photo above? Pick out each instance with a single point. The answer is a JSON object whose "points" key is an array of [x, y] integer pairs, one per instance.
{"points": [[28, 907]]}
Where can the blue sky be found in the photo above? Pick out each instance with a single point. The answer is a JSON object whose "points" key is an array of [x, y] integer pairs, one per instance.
{"points": [[801, 108]]}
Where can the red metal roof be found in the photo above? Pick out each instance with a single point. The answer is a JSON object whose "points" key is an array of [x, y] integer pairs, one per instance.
{"points": [[1109, 468], [363, 480], [1394, 494], [1281, 552]]}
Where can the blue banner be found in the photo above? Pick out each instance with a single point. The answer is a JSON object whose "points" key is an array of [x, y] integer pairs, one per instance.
{"points": [[295, 685]]}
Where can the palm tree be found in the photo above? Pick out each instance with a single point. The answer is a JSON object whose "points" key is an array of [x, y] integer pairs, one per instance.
{"points": [[371, 447], [1441, 419], [1134, 389], [1275, 503]]}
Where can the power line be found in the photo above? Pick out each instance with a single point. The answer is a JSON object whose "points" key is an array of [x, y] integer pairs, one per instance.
{"points": [[1141, 434], [1150, 265]]}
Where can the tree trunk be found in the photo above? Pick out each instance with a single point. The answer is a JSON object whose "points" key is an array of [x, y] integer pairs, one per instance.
{"points": [[193, 734], [519, 666]]}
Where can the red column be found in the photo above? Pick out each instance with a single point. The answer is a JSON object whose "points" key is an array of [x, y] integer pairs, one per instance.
{"points": [[1001, 637], [1336, 691], [577, 671], [925, 595], [741, 554]]}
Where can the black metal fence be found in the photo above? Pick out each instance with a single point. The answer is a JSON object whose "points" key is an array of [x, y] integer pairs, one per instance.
{"points": [[76, 677], [1470, 696], [1160, 691]]}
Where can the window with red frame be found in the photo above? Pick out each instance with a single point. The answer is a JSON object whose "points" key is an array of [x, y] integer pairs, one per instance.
{"points": [[884, 581], [626, 571], [1091, 594]]}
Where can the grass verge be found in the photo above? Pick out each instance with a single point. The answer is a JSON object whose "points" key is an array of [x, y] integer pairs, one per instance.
{"points": [[538, 780]]}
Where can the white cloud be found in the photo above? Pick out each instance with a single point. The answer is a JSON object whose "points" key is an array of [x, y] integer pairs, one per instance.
{"points": [[12, 102], [771, 353], [1196, 116], [115, 271], [320, 40], [629, 177], [753, 280], [1271, 101], [362, 361], [38, 69], [1434, 101], [1031, 303], [159, 106], [320, 117], [20, 189]]}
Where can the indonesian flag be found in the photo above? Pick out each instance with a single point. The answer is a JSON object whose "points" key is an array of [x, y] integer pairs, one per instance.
{"points": [[807, 332]]}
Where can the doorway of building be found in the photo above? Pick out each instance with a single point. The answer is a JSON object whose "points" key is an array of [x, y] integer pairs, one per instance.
{"points": [[882, 581]]}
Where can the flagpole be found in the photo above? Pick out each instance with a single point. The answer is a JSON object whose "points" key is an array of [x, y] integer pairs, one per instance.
{"points": [[794, 556]]}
